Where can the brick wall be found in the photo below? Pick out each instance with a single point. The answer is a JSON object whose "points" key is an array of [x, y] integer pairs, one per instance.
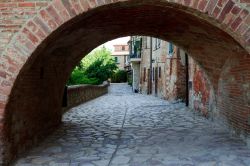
{"points": [[14, 14], [234, 94]]}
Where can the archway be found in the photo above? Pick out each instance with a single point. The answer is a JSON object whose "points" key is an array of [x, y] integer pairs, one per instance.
{"points": [[43, 53]]}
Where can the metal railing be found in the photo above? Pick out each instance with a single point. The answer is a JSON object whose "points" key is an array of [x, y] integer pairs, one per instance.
{"points": [[138, 55]]}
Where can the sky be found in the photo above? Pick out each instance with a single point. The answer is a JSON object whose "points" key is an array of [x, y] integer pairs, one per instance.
{"points": [[109, 45]]}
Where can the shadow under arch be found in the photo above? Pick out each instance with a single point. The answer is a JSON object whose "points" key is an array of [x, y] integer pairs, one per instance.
{"points": [[34, 106]]}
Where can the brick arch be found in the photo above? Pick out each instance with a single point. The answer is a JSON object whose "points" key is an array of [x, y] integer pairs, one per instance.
{"points": [[38, 60]]}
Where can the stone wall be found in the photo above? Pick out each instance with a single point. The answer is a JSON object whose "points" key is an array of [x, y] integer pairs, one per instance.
{"points": [[79, 94]]}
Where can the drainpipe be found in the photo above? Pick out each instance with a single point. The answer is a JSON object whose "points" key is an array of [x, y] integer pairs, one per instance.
{"points": [[150, 61], [140, 47], [187, 79]]}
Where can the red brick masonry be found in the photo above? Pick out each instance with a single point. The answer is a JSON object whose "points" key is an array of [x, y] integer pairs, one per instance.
{"points": [[41, 41]]}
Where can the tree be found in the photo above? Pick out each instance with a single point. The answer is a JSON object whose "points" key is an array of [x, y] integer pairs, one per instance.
{"points": [[95, 68]]}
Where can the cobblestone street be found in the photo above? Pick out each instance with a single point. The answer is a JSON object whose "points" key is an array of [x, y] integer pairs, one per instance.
{"points": [[127, 129]]}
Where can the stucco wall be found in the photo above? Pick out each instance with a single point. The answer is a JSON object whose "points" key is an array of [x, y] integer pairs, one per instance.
{"points": [[172, 83], [201, 93], [169, 83], [136, 76]]}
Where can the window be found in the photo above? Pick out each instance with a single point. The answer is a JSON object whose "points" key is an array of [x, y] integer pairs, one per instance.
{"points": [[159, 72], [116, 59], [156, 74], [123, 48], [170, 49], [159, 43], [155, 43], [144, 74], [148, 42], [153, 75], [137, 48]]}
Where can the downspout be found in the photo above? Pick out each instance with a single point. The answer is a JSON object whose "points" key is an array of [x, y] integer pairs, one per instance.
{"points": [[150, 61], [187, 79], [140, 47]]}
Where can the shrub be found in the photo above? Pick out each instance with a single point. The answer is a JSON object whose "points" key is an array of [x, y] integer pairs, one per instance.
{"points": [[119, 76], [78, 77], [100, 70], [130, 80]]}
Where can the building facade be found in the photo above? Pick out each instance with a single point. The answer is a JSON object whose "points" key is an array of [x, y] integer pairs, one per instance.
{"points": [[162, 69], [121, 55]]}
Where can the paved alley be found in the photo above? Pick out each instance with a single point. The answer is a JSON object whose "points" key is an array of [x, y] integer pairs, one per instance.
{"points": [[127, 129]]}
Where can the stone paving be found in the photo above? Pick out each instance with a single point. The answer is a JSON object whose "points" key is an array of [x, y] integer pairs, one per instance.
{"points": [[127, 129]]}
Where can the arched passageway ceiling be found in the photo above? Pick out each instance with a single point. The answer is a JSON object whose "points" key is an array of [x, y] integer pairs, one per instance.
{"points": [[230, 16], [186, 27], [236, 12]]}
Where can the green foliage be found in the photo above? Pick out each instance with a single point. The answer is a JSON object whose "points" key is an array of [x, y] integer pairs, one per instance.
{"points": [[78, 77], [130, 80], [95, 68], [119, 76]]}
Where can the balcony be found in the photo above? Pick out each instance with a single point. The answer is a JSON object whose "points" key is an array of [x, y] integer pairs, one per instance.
{"points": [[135, 45], [135, 58]]}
